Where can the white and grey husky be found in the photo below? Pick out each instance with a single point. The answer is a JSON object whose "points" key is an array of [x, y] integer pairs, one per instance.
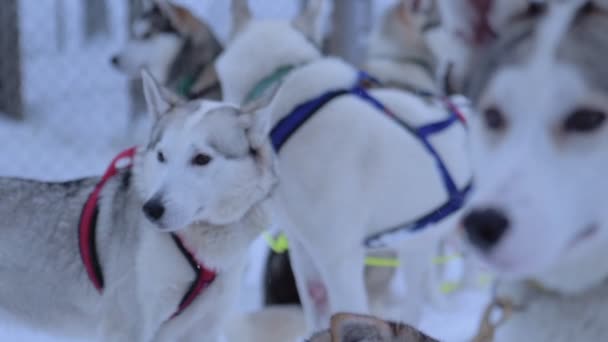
{"points": [[176, 47], [152, 251], [357, 165], [538, 216]]}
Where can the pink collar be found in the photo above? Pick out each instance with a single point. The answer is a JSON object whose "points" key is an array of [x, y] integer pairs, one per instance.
{"points": [[88, 251]]}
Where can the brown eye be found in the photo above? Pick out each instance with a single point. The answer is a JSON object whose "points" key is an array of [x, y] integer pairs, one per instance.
{"points": [[584, 120], [161, 157], [494, 119], [201, 159]]}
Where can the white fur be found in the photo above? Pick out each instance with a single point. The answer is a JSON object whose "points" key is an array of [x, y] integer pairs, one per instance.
{"points": [[336, 188]]}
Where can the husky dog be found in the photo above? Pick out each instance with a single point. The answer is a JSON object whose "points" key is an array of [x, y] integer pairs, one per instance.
{"points": [[400, 56], [151, 237], [350, 172], [176, 47], [360, 328], [538, 216]]}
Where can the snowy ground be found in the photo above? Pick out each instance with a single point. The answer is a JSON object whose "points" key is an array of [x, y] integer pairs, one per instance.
{"points": [[76, 117]]}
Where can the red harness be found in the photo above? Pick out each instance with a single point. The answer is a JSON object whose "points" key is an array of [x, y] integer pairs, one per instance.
{"points": [[88, 251]]}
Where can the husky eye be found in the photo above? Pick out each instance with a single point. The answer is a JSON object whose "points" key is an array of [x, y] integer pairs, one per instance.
{"points": [[201, 159], [584, 120], [147, 35], [161, 157], [536, 8], [494, 119]]}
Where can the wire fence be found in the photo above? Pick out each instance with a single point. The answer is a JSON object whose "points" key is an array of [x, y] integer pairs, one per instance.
{"points": [[64, 110]]}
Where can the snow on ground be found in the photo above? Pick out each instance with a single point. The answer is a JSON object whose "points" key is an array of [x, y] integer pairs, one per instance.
{"points": [[77, 111]]}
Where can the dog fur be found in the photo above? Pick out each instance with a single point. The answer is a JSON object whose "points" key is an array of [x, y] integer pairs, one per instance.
{"points": [[355, 328], [541, 93], [324, 212], [217, 209]]}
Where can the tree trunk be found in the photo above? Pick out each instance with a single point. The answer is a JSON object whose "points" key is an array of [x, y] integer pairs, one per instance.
{"points": [[10, 60], [351, 24], [96, 19], [138, 104]]}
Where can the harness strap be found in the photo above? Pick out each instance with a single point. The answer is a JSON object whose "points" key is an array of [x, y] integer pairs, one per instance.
{"points": [[88, 249], [88, 220], [203, 277]]}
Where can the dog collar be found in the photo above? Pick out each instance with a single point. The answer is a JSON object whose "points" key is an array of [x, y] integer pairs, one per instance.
{"points": [[87, 236], [267, 82]]}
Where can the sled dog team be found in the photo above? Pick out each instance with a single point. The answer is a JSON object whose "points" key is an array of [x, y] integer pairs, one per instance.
{"points": [[479, 122]]}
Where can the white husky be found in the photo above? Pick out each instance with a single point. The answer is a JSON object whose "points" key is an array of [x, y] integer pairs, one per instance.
{"points": [[350, 171], [153, 252], [538, 216]]}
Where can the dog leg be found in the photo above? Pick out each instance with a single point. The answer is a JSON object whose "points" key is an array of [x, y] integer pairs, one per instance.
{"points": [[344, 278], [313, 294]]}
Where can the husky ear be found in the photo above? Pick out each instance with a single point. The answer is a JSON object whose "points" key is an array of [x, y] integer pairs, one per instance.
{"points": [[241, 15], [158, 99], [170, 12], [309, 21], [257, 119], [351, 328]]}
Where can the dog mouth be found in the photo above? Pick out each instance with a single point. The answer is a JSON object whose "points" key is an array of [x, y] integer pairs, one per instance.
{"points": [[584, 235]]}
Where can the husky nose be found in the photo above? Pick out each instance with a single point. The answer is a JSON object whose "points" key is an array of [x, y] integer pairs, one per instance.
{"points": [[485, 227], [154, 209], [114, 60]]}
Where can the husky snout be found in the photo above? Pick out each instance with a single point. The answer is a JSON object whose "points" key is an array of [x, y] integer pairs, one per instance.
{"points": [[115, 60], [154, 209], [485, 227]]}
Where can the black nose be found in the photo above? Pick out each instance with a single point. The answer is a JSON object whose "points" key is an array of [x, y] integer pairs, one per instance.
{"points": [[485, 227], [154, 209], [114, 60]]}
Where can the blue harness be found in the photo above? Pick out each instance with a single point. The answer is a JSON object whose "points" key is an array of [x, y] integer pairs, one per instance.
{"points": [[284, 130]]}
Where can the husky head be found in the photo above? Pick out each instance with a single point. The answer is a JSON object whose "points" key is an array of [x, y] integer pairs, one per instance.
{"points": [[205, 162], [166, 39], [541, 92], [403, 37], [355, 328], [258, 48]]}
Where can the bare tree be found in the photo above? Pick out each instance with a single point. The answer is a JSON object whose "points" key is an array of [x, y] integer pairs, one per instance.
{"points": [[138, 105], [10, 58], [351, 24], [96, 18]]}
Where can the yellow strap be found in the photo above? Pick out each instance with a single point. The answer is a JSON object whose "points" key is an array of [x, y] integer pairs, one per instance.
{"points": [[442, 260], [279, 244], [381, 262]]}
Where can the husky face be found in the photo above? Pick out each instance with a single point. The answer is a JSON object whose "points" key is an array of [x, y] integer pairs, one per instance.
{"points": [[540, 203], [205, 162], [154, 45]]}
